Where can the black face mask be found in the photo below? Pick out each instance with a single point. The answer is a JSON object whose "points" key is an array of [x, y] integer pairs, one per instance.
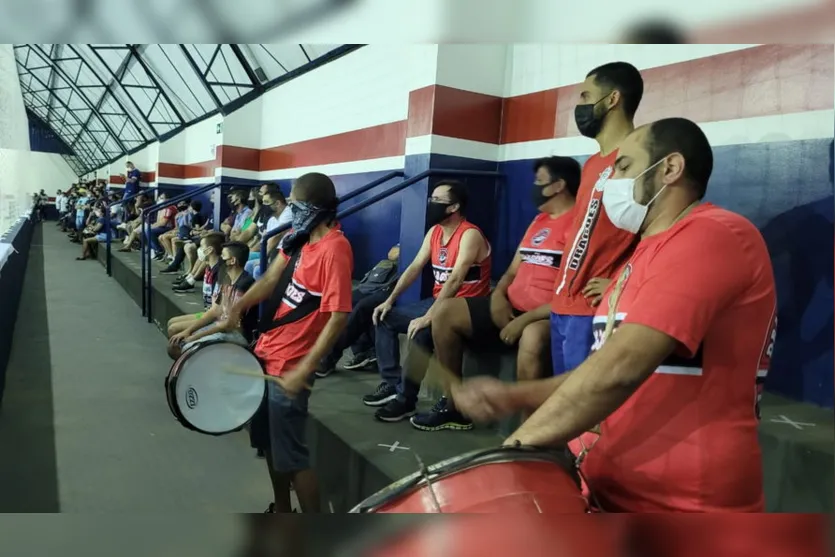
{"points": [[588, 123], [538, 195], [436, 212]]}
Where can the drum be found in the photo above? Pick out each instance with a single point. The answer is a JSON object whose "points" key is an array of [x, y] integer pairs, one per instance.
{"points": [[208, 390], [500, 480]]}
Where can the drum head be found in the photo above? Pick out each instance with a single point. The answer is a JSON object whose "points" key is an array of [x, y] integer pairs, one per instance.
{"points": [[209, 393], [560, 458]]}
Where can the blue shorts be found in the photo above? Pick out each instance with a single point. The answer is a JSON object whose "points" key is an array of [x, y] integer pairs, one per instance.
{"points": [[572, 337], [280, 427], [101, 237]]}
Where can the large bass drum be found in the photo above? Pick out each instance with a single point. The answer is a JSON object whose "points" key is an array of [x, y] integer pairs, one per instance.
{"points": [[500, 480]]}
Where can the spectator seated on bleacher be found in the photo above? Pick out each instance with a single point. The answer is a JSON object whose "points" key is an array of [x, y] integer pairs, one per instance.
{"points": [[254, 227], [461, 260], [211, 246], [191, 226], [94, 233], [279, 214], [373, 290], [516, 314], [132, 222], [233, 282], [241, 215], [196, 257], [188, 213], [163, 223]]}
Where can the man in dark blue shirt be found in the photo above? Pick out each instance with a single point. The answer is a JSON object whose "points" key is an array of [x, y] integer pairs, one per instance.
{"points": [[132, 179]]}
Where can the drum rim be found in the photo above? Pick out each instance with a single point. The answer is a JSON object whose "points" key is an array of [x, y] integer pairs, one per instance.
{"points": [[173, 375], [467, 461]]}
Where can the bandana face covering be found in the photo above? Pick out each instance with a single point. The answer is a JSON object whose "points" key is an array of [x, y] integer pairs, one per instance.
{"points": [[306, 217]]}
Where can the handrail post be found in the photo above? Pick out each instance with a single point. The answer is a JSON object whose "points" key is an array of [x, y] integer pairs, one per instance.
{"points": [[107, 234], [142, 262]]}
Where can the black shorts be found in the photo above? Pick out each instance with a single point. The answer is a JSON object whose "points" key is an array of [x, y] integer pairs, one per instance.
{"points": [[280, 428], [485, 333]]}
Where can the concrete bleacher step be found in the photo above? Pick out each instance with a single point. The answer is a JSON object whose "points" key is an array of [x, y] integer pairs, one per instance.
{"points": [[356, 455]]}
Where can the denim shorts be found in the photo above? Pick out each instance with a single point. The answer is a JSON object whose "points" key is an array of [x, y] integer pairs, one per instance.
{"points": [[279, 427]]}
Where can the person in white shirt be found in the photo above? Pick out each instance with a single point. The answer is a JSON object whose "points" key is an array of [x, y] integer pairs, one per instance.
{"points": [[271, 196]]}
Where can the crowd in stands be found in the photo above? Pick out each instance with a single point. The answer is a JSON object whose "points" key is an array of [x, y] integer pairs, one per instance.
{"points": [[556, 313]]}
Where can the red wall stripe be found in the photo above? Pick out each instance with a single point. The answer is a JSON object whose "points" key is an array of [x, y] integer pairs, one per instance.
{"points": [[115, 179], [441, 110], [760, 81]]}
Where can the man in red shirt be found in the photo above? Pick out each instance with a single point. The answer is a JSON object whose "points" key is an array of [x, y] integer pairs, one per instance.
{"points": [[308, 293], [683, 341], [517, 311], [609, 98], [460, 258]]}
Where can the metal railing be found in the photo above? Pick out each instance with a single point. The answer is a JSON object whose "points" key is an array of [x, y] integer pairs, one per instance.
{"points": [[107, 228], [350, 195]]}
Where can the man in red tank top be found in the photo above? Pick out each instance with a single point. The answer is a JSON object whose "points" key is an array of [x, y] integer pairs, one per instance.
{"points": [[460, 258], [516, 313], [684, 337], [595, 247]]}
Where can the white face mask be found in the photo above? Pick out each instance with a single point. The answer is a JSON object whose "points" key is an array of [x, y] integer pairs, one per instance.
{"points": [[619, 202], [201, 254]]}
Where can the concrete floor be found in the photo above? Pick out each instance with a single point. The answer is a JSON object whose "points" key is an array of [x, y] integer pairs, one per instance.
{"points": [[85, 426]]}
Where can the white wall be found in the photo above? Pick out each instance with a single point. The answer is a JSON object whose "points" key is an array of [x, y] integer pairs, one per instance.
{"points": [[201, 139], [14, 126]]}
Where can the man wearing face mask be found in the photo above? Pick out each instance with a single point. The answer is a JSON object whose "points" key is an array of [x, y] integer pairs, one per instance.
{"points": [[676, 389], [460, 258], [609, 98], [517, 311], [307, 290], [209, 253]]}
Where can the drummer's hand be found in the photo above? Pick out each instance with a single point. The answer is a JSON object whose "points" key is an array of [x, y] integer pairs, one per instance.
{"points": [[293, 382], [233, 320], [179, 338], [483, 399]]}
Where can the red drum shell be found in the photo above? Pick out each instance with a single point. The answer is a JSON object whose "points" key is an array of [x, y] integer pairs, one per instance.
{"points": [[505, 480]]}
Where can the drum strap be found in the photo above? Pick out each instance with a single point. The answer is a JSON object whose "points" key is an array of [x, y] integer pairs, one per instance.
{"points": [[302, 310]]}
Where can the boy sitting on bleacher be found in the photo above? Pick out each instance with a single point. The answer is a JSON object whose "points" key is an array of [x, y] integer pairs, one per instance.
{"points": [[211, 325]]}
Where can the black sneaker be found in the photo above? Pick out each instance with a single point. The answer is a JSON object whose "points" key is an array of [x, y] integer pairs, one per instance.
{"points": [[260, 454], [361, 361], [384, 394], [180, 279], [159, 256], [183, 287], [395, 411], [442, 416], [270, 509]]}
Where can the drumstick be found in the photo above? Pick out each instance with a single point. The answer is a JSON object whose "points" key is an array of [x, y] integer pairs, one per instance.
{"points": [[255, 374]]}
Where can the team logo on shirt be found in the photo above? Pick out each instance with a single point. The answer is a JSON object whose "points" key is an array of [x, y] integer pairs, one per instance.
{"points": [[442, 255], [601, 180], [540, 236]]}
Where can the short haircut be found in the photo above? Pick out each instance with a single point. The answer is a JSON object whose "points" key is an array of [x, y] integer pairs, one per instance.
{"points": [[275, 193], [215, 240], [317, 189], [457, 193], [562, 168], [656, 32], [238, 250], [242, 193], [196, 205], [623, 77], [680, 135], [128, 163]]}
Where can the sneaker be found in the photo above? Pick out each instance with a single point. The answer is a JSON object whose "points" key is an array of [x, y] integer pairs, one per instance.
{"points": [[260, 454], [442, 416], [384, 394], [325, 371], [180, 279], [361, 361], [183, 287], [270, 509], [159, 256], [395, 411], [170, 270]]}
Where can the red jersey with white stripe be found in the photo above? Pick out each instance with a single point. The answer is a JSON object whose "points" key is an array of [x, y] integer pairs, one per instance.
{"points": [[594, 246], [477, 280], [541, 253], [686, 440]]}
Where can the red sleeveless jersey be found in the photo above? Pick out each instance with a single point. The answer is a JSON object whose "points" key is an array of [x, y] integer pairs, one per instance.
{"points": [[477, 280], [541, 253]]}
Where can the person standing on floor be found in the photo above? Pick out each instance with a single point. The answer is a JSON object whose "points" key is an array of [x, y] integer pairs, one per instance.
{"points": [[308, 293]]}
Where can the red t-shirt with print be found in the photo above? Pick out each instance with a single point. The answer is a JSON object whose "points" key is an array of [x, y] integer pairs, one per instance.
{"points": [[686, 440], [324, 269]]}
